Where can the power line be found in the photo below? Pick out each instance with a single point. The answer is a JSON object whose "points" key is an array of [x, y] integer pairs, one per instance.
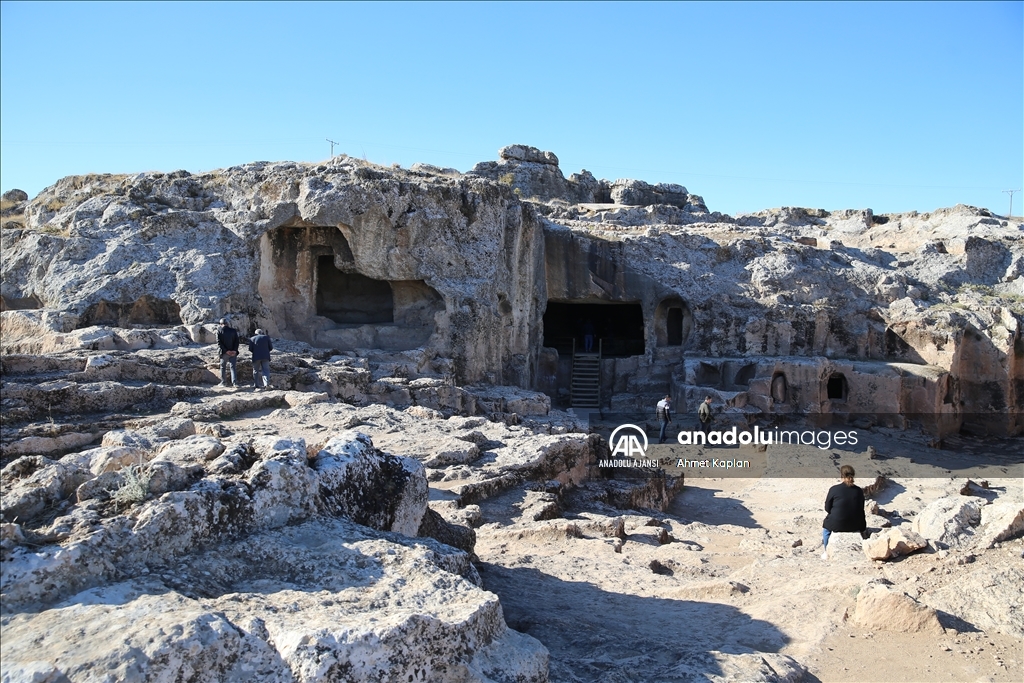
{"points": [[333, 143]]}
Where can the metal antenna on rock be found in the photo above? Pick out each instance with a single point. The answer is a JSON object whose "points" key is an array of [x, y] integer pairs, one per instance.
{"points": [[333, 143], [1010, 192]]}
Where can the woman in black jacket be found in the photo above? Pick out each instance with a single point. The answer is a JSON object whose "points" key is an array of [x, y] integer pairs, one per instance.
{"points": [[845, 507]]}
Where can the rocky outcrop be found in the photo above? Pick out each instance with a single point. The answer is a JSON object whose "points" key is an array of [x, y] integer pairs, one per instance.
{"points": [[987, 598], [487, 276], [529, 171], [264, 488], [250, 553], [372, 488], [1000, 522], [639, 193], [950, 522], [323, 600], [290, 257], [879, 608]]}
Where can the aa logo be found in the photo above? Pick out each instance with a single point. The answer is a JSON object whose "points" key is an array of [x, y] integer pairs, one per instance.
{"points": [[628, 443]]}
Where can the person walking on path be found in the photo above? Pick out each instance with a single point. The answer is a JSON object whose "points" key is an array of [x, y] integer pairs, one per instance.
{"points": [[664, 412], [227, 340], [704, 415], [260, 347], [845, 507]]}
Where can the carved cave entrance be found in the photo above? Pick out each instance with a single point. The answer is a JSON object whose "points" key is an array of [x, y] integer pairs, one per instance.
{"points": [[837, 387], [673, 322], [317, 291], [618, 326], [394, 315], [780, 388], [146, 311], [351, 298]]}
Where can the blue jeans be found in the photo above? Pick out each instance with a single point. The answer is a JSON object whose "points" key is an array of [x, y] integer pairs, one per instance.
{"points": [[261, 367], [664, 426], [825, 533], [227, 361]]}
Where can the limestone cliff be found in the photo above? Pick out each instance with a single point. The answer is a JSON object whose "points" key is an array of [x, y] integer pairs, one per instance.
{"points": [[494, 274]]}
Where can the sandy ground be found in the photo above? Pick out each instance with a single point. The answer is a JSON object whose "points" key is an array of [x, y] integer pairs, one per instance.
{"points": [[742, 574], [736, 585]]}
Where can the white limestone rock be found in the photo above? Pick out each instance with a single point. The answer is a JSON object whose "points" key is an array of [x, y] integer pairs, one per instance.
{"points": [[1000, 521], [892, 543], [989, 598], [373, 488], [191, 450], [31, 483], [880, 608], [112, 459], [49, 445], [323, 600], [950, 521]]}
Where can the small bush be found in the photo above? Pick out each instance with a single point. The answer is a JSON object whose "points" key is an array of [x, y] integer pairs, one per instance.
{"points": [[506, 179], [984, 290], [55, 204], [134, 487]]}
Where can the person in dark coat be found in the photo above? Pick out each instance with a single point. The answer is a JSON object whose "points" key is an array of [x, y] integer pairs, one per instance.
{"points": [[260, 347], [705, 416], [845, 507], [227, 340], [588, 335]]}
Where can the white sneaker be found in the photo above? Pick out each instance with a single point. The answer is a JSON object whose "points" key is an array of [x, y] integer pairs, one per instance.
{"points": [[824, 554]]}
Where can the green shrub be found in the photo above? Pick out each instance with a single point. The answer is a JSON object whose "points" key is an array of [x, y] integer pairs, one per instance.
{"points": [[134, 487]]}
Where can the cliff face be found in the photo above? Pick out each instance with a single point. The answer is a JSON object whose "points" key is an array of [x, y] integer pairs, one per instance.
{"points": [[493, 274], [340, 255]]}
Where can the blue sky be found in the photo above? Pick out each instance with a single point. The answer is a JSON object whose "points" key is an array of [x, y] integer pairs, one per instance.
{"points": [[895, 107]]}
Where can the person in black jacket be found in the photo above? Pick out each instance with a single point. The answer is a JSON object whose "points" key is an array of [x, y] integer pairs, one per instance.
{"points": [[845, 507], [260, 346], [227, 340]]}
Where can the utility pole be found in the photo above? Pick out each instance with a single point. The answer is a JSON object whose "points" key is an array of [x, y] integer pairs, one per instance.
{"points": [[1010, 192], [333, 143]]}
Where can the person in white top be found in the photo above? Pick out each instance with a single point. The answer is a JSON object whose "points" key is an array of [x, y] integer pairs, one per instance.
{"points": [[665, 415]]}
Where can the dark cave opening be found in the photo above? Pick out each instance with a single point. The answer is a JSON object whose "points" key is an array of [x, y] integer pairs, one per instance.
{"points": [[618, 328]]}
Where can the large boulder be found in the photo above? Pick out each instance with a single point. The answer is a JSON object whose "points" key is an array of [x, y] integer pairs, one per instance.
{"points": [[528, 171], [989, 598], [377, 489], [438, 528], [880, 608], [192, 450], [638, 193], [894, 543], [1002, 520], [527, 154], [950, 521]]}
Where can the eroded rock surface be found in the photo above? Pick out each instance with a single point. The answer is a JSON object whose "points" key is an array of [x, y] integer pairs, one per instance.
{"points": [[322, 600], [786, 310], [416, 450]]}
